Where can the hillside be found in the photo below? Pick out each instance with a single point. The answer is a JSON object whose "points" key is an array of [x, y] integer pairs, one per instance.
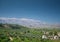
{"points": [[12, 26], [18, 33]]}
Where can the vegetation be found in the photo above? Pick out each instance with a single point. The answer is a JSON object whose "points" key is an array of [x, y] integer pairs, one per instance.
{"points": [[18, 33]]}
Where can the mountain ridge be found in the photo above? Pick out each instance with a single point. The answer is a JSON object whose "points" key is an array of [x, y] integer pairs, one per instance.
{"points": [[28, 23]]}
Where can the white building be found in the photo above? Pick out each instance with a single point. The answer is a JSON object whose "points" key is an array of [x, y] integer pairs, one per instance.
{"points": [[44, 37], [56, 37]]}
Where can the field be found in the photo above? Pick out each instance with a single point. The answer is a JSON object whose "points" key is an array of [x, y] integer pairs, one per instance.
{"points": [[17, 33]]}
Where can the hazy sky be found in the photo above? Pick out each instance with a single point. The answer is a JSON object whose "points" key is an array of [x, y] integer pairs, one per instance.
{"points": [[44, 10]]}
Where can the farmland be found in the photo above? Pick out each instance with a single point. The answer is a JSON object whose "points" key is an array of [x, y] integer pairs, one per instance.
{"points": [[18, 33]]}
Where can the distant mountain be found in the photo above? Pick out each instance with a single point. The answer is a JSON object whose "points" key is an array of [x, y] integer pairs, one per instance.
{"points": [[28, 22]]}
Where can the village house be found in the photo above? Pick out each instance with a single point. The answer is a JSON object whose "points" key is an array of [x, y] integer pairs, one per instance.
{"points": [[50, 37], [56, 37], [44, 37]]}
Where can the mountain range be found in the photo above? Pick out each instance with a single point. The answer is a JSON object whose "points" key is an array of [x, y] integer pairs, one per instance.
{"points": [[28, 22]]}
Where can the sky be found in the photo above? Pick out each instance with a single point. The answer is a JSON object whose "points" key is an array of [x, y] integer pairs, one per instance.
{"points": [[43, 10]]}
